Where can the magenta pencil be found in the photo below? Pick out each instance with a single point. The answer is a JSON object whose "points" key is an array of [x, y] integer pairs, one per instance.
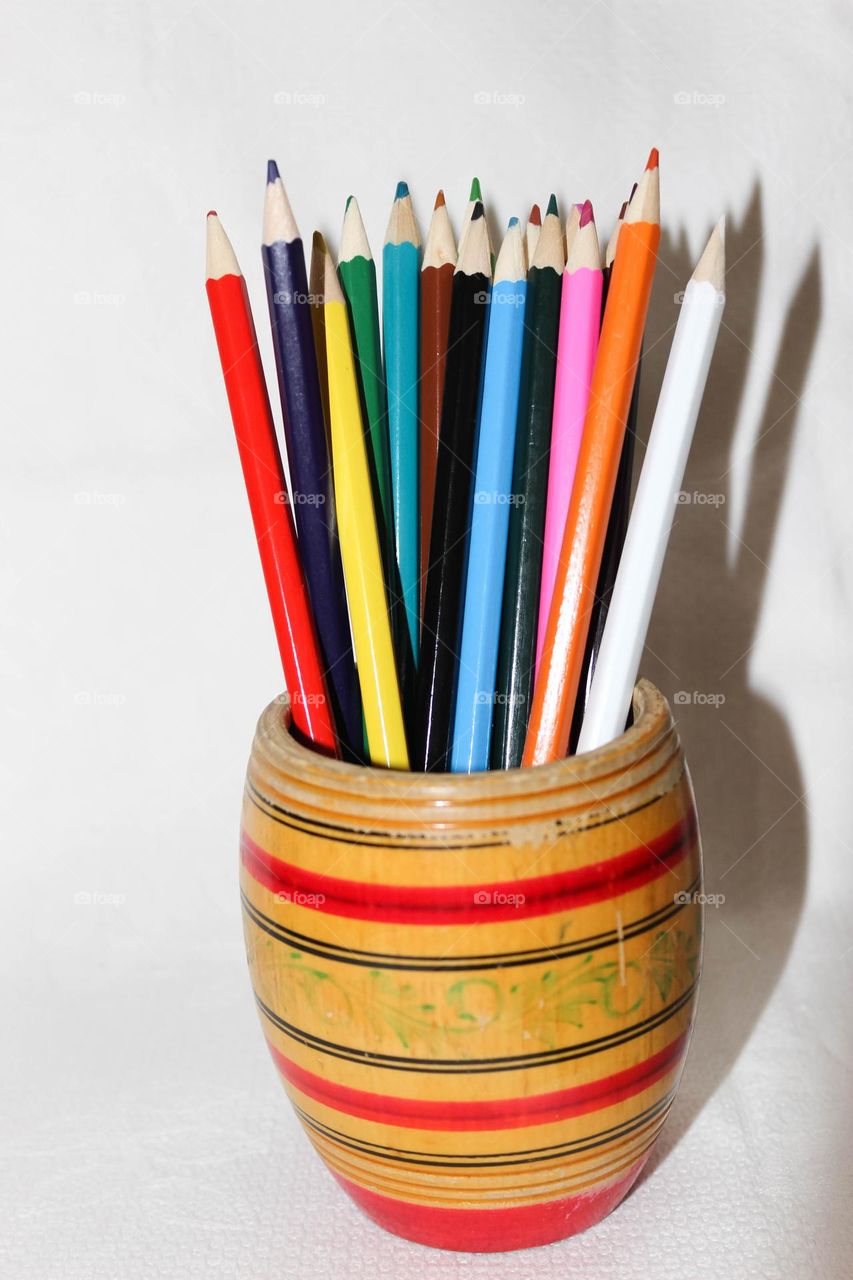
{"points": [[580, 321]]}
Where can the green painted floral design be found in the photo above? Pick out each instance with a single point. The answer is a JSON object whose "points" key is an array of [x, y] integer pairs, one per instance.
{"points": [[540, 1008]]}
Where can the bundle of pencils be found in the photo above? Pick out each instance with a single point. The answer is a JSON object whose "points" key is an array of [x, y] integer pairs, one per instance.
{"points": [[456, 573]]}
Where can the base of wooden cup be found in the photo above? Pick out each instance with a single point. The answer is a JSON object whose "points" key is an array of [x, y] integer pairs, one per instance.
{"points": [[493, 1230]]}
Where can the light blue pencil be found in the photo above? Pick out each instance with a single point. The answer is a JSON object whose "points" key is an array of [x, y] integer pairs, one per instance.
{"points": [[400, 310], [490, 522]]}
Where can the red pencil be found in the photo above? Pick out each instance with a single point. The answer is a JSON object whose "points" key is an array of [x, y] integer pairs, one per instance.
{"points": [[265, 485]]}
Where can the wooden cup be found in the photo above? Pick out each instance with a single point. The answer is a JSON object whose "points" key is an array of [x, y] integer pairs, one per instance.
{"points": [[478, 990]]}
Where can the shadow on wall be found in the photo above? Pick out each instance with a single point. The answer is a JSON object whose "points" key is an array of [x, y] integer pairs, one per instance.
{"points": [[739, 747]]}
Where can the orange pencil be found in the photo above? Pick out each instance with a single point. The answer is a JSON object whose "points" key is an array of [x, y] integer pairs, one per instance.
{"points": [[598, 462]]}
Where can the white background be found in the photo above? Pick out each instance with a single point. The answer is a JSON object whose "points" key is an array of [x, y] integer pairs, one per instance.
{"points": [[145, 1132]]}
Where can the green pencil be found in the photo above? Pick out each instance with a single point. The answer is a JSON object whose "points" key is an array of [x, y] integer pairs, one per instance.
{"points": [[358, 277], [519, 616]]}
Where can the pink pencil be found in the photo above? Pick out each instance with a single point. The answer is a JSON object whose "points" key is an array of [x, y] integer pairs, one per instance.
{"points": [[580, 321]]}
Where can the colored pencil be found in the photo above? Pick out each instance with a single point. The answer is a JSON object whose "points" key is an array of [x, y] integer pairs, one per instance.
{"points": [[474, 195], [490, 519], [534, 226], [657, 494], [452, 504], [315, 300], [617, 524], [358, 277], [265, 486], [362, 559], [580, 322], [439, 263], [517, 656], [400, 287], [610, 251], [307, 453], [601, 447]]}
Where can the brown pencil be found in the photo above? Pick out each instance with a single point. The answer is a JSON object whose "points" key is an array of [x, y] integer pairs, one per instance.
{"points": [[436, 289]]}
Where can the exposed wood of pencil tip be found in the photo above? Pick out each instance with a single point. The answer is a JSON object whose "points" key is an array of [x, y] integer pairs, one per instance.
{"points": [[221, 258], [645, 205], [332, 291], [402, 227], [474, 252], [549, 247], [585, 251], [711, 267], [572, 224], [279, 222], [354, 242], [440, 245], [511, 263], [610, 251]]}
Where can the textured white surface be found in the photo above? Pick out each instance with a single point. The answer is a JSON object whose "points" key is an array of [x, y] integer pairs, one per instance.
{"points": [[144, 1131]]}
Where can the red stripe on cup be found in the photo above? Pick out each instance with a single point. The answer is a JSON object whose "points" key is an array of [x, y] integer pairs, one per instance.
{"points": [[470, 903], [500, 1113]]}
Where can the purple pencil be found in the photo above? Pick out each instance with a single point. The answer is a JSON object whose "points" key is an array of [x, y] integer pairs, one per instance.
{"points": [[307, 454]]}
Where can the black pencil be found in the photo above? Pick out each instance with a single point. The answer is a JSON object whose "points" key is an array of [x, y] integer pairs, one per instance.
{"points": [[451, 518]]}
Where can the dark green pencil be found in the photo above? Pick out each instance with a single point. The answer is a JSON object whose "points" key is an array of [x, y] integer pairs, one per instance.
{"points": [[519, 618]]}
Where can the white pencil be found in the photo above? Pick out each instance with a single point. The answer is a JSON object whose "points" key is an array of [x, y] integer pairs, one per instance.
{"points": [[657, 493]]}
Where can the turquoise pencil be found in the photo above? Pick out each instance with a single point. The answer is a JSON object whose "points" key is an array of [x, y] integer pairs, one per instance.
{"points": [[490, 521], [400, 307]]}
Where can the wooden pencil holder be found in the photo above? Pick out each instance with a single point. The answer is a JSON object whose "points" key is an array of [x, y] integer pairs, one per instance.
{"points": [[478, 990]]}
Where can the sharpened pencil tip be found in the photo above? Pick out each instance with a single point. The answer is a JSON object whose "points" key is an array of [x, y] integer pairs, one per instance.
{"points": [[476, 193], [552, 205], [439, 201], [211, 213], [586, 213], [653, 160], [513, 222], [535, 216], [402, 191], [348, 203], [477, 211], [318, 243], [272, 171]]}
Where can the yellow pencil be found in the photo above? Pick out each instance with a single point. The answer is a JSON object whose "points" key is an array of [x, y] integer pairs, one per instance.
{"points": [[359, 538]]}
